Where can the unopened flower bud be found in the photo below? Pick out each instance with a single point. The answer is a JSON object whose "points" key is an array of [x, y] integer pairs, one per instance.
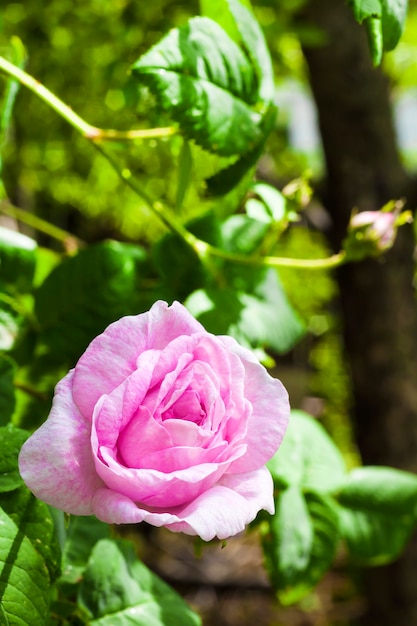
{"points": [[372, 233]]}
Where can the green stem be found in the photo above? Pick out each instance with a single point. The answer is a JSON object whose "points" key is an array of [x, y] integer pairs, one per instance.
{"points": [[157, 207], [203, 249], [69, 241], [30, 390], [87, 130]]}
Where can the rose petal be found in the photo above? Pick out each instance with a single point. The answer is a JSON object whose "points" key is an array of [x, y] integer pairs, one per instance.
{"points": [[269, 419], [222, 511], [56, 462], [111, 357], [155, 488]]}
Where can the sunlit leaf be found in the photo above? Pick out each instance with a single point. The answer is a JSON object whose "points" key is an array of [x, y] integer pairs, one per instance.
{"points": [[207, 84], [24, 578], [307, 457]]}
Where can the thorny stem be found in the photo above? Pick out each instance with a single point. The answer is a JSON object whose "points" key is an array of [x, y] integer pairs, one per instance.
{"points": [[204, 250]]}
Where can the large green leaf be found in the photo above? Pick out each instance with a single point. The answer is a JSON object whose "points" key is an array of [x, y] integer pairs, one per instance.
{"points": [[118, 590], [17, 260], [34, 520], [11, 440], [300, 543], [307, 457], [378, 513], [88, 291], [7, 395], [240, 23], [24, 578], [207, 84], [384, 20]]}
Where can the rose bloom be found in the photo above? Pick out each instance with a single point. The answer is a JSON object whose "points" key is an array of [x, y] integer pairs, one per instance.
{"points": [[162, 422]]}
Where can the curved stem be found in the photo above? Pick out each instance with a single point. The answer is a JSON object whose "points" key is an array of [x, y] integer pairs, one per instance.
{"points": [[77, 122], [205, 249]]}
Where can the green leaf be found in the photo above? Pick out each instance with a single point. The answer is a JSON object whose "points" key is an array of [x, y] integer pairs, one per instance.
{"points": [[17, 260], [293, 534], [263, 318], [178, 265], [378, 513], [243, 234], [7, 395], [301, 551], [238, 21], [228, 178], [268, 318], [118, 590], [11, 440], [34, 520], [81, 536], [385, 20], [375, 538], [219, 11], [380, 489], [205, 81], [88, 291], [24, 579], [277, 209], [307, 457]]}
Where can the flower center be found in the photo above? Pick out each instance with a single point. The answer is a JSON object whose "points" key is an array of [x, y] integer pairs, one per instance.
{"points": [[187, 407]]}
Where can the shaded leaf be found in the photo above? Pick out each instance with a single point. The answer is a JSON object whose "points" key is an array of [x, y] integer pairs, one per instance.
{"points": [[375, 538], [118, 590], [178, 264], [88, 291], [11, 440], [7, 394], [378, 513], [82, 534]]}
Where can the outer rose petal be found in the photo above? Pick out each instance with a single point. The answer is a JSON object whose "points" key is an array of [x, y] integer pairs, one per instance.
{"points": [[268, 421], [56, 462], [222, 511], [111, 357]]}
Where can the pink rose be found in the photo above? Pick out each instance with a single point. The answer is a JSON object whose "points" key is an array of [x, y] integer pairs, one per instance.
{"points": [[161, 422]]}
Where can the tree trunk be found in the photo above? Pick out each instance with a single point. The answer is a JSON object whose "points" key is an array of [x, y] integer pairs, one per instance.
{"points": [[377, 296]]}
